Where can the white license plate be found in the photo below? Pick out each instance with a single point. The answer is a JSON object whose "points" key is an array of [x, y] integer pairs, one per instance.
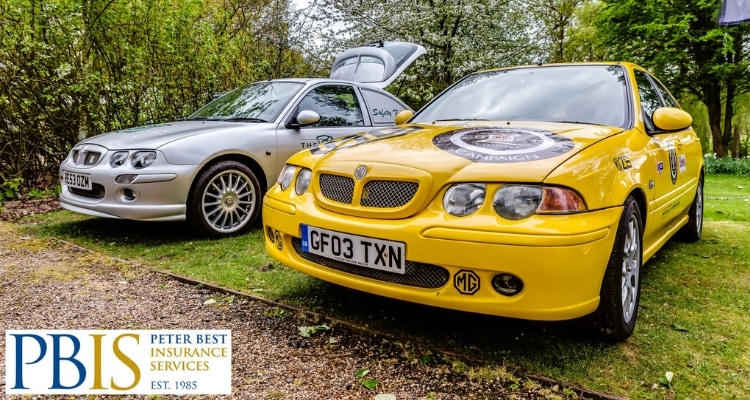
{"points": [[384, 255], [80, 181]]}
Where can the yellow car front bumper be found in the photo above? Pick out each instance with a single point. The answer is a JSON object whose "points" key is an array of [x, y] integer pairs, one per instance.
{"points": [[561, 261]]}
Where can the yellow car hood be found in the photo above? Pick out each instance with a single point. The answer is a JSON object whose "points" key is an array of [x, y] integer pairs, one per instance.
{"points": [[508, 151]]}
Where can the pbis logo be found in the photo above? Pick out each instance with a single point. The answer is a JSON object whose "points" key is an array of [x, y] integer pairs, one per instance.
{"points": [[118, 362], [466, 282]]}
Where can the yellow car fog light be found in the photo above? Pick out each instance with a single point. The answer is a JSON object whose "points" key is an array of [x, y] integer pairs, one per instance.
{"points": [[270, 234], [507, 284]]}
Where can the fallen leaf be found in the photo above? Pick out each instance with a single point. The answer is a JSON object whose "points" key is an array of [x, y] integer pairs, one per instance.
{"points": [[679, 328], [209, 302], [370, 383], [306, 331], [362, 373]]}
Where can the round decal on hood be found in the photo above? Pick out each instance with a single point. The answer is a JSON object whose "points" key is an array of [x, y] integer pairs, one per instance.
{"points": [[503, 145]]}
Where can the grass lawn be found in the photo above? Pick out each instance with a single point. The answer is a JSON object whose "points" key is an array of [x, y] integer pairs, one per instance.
{"points": [[694, 320]]}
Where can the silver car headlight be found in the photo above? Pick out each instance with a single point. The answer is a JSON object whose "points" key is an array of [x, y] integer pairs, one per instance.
{"points": [[464, 198], [286, 175], [118, 159], [142, 159], [303, 181], [517, 201]]}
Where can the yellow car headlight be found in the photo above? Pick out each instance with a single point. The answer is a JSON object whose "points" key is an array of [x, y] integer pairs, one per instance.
{"points": [[286, 175], [303, 181], [517, 201], [557, 200], [464, 198]]}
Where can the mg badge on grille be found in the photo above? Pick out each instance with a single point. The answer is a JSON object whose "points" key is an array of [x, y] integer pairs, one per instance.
{"points": [[360, 172]]}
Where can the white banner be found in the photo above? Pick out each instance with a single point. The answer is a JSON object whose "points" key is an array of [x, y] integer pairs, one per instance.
{"points": [[118, 362], [734, 12]]}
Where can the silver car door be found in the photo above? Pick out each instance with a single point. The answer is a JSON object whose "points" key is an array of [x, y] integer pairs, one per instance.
{"points": [[339, 106]]}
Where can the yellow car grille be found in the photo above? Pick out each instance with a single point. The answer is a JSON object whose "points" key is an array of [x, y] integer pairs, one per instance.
{"points": [[375, 193], [387, 194], [417, 274], [337, 188]]}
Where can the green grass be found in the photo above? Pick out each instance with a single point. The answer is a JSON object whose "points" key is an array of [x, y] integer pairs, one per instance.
{"points": [[694, 319], [727, 198]]}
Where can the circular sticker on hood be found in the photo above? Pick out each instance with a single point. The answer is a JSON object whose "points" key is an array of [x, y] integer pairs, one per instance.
{"points": [[503, 145]]}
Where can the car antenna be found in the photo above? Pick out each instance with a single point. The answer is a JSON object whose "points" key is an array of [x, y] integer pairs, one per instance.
{"points": [[403, 79]]}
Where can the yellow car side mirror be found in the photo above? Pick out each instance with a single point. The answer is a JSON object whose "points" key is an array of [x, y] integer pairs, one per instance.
{"points": [[670, 119], [404, 116]]}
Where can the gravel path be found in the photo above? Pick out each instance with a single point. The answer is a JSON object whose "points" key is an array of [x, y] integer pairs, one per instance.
{"points": [[47, 284]]}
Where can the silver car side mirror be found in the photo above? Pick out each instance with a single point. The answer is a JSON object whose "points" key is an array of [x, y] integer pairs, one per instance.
{"points": [[307, 117]]}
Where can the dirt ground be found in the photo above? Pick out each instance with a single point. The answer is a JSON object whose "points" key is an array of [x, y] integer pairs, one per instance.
{"points": [[49, 284]]}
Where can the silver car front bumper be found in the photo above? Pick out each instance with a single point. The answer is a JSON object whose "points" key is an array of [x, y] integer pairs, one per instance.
{"points": [[156, 193]]}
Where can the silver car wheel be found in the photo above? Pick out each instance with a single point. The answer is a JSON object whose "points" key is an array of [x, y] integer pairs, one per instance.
{"points": [[630, 269], [228, 201]]}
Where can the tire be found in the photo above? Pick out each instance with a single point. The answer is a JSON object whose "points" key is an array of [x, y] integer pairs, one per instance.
{"points": [[693, 231], [225, 200], [621, 287]]}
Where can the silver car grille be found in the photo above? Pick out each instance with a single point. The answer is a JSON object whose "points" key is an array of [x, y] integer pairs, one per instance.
{"points": [[86, 158], [375, 194], [96, 192]]}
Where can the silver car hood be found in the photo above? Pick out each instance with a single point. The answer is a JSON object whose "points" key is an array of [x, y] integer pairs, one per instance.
{"points": [[155, 136]]}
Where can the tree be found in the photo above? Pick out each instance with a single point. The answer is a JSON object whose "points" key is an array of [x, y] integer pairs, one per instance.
{"points": [[460, 36], [559, 18], [680, 40]]}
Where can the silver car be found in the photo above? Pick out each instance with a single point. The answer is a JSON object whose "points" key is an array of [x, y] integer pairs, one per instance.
{"points": [[213, 168]]}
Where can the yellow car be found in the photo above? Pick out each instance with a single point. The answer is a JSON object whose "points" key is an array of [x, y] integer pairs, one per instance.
{"points": [[533, 192]]}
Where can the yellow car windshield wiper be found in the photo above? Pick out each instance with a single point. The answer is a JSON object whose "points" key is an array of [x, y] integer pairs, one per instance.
{"points": [[461, 119]]}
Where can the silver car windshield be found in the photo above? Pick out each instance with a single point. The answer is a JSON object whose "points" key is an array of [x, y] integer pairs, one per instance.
{"points": [[256, 102], [592, 94]]}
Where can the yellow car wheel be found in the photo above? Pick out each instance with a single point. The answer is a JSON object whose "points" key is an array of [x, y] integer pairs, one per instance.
{"points": [[694, 229], [621, 287]]}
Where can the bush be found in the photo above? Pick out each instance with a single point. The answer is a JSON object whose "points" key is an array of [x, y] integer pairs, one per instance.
{"points": [[72, 69], [727, 165]]}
